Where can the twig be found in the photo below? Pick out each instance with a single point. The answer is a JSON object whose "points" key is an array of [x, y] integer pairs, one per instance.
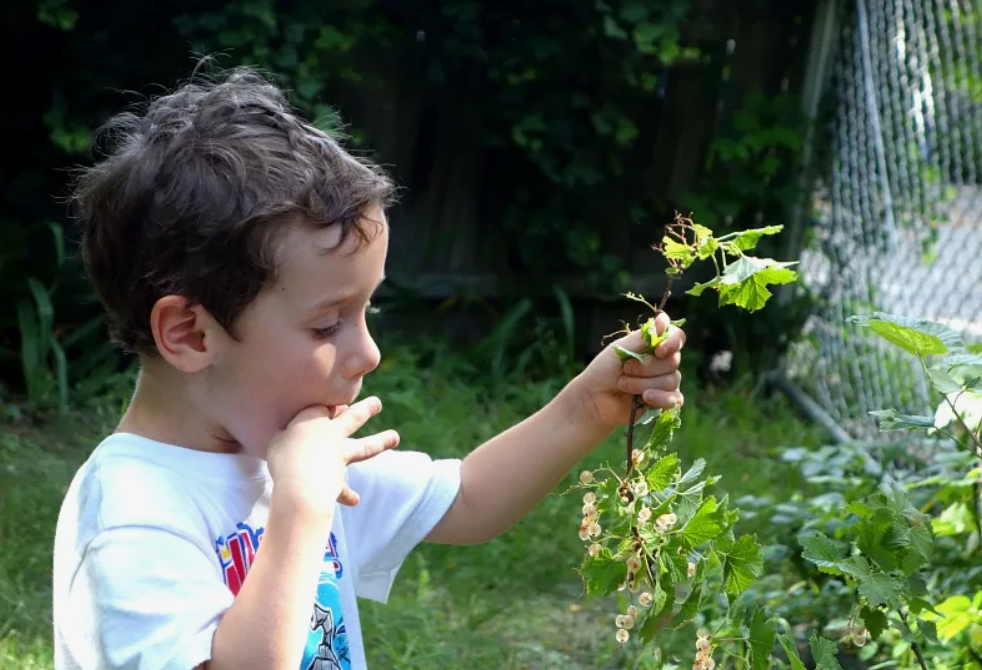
{"points": [[913, 644]]}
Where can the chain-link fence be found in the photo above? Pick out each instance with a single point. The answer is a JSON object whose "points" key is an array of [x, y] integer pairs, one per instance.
{"points": [[900, 209]]}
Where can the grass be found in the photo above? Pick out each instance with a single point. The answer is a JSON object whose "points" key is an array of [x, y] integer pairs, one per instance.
{"points": [[512, 603]]}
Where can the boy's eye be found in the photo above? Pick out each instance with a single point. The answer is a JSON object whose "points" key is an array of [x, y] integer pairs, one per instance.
{"points": [[322, 333]]}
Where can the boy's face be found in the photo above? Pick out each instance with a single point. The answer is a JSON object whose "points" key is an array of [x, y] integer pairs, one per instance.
{"points": [[304, 340]]}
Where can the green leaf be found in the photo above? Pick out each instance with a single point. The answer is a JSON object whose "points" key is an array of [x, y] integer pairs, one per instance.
{"points": [[943, 381], [682, 254], [821, 551], [744, 564], [823, 651], [791, 649], [958, 615], [929, 630], [744, 282], [702, 232], [704, 525], [692, 474], [890, 419], [921, 540], [955, 360], [876, 586], [678, 323], [603, 574], [662, 473], [668, 421], [649, 332], [917, 336], [698, 289], [761, 640], [875, 621], [706, 248], [624, 354], [747, 239]]}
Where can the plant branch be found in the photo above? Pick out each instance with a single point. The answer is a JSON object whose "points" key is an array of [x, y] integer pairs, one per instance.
{"points": [[913, 644]]}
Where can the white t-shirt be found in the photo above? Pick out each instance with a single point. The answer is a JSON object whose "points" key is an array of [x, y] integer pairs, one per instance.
{"points": [[154, 541]]}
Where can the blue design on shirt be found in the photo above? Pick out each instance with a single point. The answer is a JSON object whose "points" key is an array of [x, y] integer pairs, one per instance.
{"points": [[327, 641]]}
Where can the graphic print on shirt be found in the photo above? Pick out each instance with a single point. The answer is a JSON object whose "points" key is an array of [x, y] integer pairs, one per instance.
{"points": [[236, 551], [327, 641]]}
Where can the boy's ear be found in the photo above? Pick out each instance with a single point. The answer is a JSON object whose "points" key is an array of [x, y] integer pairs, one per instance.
{"points": [[185, 334]]}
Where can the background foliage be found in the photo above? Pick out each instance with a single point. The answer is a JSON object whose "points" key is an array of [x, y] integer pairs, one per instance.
{"points": [[541, 145]]}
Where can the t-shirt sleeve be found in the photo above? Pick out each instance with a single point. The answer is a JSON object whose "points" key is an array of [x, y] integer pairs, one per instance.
{"points": [[144, 598], [404, 494]]}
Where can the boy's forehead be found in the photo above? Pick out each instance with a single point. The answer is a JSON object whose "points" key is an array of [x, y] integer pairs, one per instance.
{"points": [[311, 260]]}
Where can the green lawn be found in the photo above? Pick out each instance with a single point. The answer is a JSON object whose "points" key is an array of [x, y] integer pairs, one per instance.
{"points": [[512, 603]]}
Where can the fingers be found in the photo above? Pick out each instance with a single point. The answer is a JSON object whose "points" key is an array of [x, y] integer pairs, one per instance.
{"points": [[652, 366], [639, 385], [366, 447], [673, 344], [663, 399], [357, 415], [348, 496]]}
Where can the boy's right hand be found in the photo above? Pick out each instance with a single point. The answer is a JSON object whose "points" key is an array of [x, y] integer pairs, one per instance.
{"points": [[310, 455]]}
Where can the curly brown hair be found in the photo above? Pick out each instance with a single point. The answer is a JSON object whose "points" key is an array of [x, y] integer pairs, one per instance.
{"points": [[194, 187]]}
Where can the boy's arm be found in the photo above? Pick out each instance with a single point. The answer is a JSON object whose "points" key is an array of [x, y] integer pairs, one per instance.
{"points": [[268, 623], [507, 476]]}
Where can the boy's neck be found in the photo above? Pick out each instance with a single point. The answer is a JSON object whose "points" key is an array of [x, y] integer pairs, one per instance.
{"points": [[165, 409]]}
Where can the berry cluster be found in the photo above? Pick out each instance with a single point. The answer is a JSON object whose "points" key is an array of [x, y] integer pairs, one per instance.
{"points": [[590, 525], [704, 652]]}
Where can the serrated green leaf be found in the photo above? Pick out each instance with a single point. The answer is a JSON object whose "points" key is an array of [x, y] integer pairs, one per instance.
{"points": [[890, 419], [603, 574], [823, 651], [875, 621], [918, 605], [626, 355], [916, 336], [692, 474], [861, 510], [698, 289], [744, 282], [649, 332], [876, 586], [929, 630], [821, 551], [706, 524], [761, 640], [791, 649], [922, 541], [702, 232], [955, 360], [682, 254], [668, 421], [746, 240], [744, 564], [691, 606], [662, 473], [942, 381], [706, 248]]}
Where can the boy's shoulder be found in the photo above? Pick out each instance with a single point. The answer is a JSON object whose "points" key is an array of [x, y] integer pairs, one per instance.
{"points": [[129, 480]]}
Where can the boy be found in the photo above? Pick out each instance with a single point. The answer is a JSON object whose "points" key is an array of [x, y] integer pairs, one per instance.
{"points": [[236, 249]]}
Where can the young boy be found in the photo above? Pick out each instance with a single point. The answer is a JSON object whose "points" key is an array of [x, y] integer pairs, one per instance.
{"points": [[231, 520]]}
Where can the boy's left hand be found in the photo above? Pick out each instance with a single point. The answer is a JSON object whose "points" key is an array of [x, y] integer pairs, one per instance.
{"points": [[603, 392]]}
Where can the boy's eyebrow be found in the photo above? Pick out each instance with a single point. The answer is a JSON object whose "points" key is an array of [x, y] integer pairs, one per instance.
{"points": [[331, 302]]}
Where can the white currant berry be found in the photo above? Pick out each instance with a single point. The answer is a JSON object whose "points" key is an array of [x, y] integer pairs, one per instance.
{"points": [[645, 599], [644, 515], [584, 534], [703, 633], [708, 663], [586, 477], [671, 519], [628, 622], [595, 530], [595, 549], [589, 510], [589, 498], [640, 488], [625, 500], [632, 612], [633, 563], [619, 621], [702, 643], [637, 456], [859, 640], [692, 570], [622, 636]]}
